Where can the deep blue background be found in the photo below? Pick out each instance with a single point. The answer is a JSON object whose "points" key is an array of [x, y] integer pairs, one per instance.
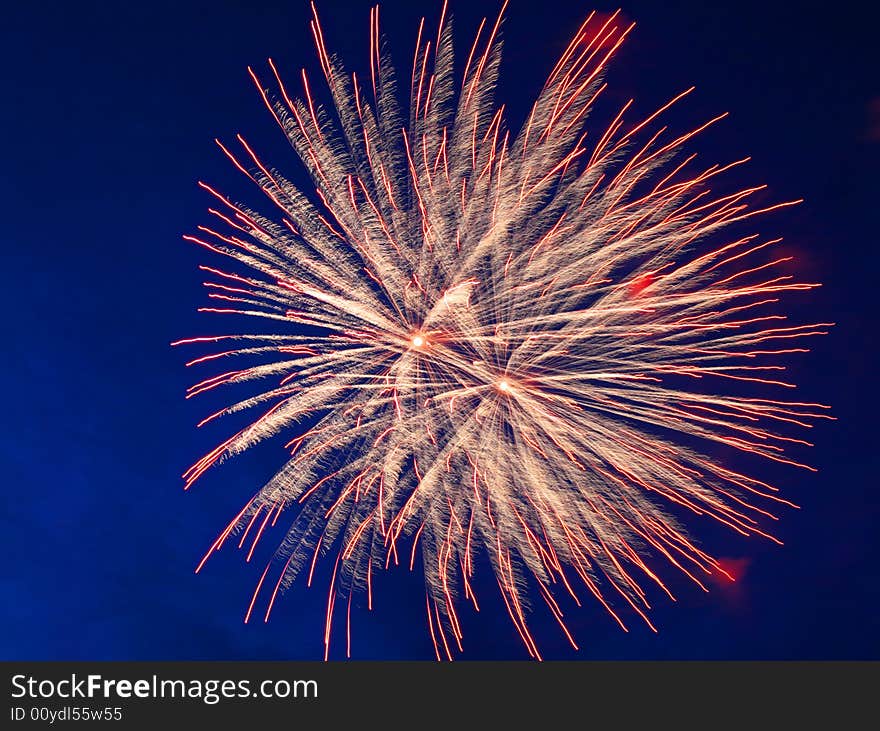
{"points": [[108, 114]]}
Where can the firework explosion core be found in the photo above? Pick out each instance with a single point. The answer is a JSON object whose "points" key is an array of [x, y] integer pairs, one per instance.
{"points": [[495, 346]]}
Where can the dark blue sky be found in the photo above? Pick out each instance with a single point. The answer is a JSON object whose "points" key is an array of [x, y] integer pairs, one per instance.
{"points": [[108, 115]]}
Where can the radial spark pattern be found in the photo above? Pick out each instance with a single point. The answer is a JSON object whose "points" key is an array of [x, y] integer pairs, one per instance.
{"points": [[497, 347]]}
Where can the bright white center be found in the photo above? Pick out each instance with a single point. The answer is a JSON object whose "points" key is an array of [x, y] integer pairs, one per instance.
{"points": [[418, 341], [503, 385]]}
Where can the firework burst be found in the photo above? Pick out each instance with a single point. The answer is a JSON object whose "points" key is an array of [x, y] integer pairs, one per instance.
{"points": [[511, 348]]}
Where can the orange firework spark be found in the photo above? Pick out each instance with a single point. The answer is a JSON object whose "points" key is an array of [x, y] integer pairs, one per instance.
{"points": [[499, 347]]}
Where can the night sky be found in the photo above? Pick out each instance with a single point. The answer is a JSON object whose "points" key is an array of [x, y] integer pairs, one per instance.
{"points": [[108, 117]]}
